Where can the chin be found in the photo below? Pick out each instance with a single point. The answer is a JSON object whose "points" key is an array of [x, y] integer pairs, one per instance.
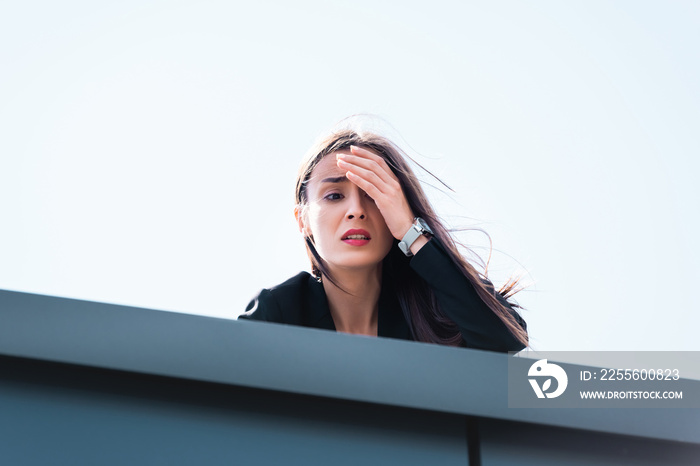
{"points": [[358, 262]]}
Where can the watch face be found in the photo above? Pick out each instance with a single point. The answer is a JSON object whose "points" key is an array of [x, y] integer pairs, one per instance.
{"points": [[424, 226]]}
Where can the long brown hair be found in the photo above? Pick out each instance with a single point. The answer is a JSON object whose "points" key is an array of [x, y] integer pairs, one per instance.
{"points": [[418, 302]]}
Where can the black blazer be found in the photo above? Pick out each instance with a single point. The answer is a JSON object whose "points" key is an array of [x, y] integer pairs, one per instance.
{"points": [[302, 301]]}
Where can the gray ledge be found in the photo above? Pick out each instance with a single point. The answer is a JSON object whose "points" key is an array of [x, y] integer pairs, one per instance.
{"points": [[298, 360]]}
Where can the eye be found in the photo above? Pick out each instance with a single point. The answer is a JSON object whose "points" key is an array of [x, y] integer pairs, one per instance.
{"points": [[333, 197]]}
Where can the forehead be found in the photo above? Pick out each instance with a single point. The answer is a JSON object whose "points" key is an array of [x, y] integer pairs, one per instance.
{"points": [[327, 168]]}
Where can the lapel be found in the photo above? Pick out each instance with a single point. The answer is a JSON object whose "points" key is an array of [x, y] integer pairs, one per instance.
{"points": [[391, 322], [318, 310]]}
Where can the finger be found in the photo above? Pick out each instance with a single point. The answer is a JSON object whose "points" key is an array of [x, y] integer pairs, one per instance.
{"points": [[369, 164], [365, 185], [366, 153], [388, 185], [366, 174]]}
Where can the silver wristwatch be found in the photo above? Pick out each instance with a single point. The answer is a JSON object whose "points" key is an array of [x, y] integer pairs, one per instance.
{"points": [[418, 229]]}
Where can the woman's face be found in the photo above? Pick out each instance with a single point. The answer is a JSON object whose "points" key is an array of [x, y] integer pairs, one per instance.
{"points": [[347, 227]]}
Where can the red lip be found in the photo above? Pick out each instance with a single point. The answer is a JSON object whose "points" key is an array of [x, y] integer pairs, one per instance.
{"points": [[355, 241]]}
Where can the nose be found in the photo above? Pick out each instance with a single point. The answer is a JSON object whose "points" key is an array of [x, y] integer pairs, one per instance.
{"points": [[357, 205]]}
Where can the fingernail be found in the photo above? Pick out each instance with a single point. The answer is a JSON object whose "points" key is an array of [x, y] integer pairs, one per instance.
{"points": [[340, 156]]}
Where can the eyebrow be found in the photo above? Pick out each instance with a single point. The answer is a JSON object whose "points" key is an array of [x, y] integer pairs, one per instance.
{"points": [[337, 179]]}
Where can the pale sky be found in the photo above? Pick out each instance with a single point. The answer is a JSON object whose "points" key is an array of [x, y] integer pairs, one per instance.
{"points": [[148, 149]]}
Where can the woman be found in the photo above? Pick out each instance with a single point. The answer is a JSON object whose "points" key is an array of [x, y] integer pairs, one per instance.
{"points": [[383, 262]]}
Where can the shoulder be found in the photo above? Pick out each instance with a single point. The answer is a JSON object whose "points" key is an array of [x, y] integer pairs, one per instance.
{"points": [[279, 303], [292, 285]]}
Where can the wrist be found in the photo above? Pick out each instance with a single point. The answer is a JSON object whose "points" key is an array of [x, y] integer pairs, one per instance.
{"points": [[405, 228], [418, 244]]}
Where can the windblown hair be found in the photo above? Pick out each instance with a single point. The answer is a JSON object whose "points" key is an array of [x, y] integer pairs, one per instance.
{"points": [[418, 302]]}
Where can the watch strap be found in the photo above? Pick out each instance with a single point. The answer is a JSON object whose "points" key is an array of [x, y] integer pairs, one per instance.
{"points": [[413, 233], [408, 239]]}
